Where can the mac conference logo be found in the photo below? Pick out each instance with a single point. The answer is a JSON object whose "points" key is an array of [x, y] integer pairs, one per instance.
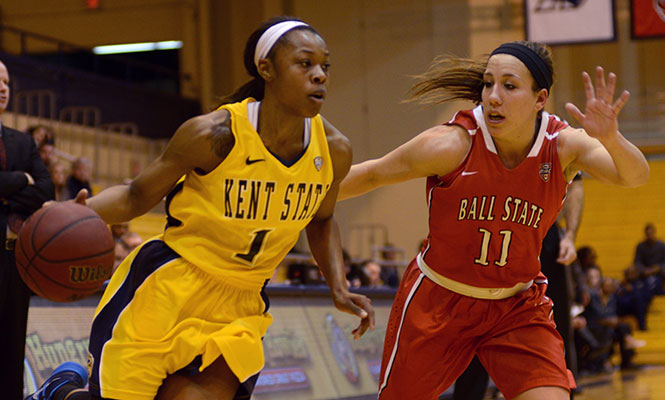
{"points": [[545, 171], [341, 349]]}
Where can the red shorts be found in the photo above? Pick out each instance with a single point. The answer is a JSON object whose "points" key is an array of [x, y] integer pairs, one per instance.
{"points": [[433, 334]]}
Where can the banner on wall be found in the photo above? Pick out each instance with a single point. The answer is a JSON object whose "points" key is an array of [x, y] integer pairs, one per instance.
{"points": [[569, 21], [647, 18]]}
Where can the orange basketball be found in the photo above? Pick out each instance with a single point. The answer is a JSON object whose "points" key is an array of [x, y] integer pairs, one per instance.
{"points": [[64, 252]]}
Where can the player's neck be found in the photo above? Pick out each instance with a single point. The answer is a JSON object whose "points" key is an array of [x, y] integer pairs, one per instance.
{"points": [[278, 125], [513, 148]]}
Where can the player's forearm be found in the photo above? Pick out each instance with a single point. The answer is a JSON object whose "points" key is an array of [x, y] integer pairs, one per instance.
{"points": [[325, 243], [358, 181], [631, 165], [116, 204], [572, 209]]}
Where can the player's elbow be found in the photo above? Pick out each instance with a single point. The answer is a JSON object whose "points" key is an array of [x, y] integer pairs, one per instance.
{"points": [[639, 178]]}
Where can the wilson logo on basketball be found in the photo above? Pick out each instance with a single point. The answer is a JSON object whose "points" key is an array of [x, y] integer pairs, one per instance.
{"points": [[85, 273]]}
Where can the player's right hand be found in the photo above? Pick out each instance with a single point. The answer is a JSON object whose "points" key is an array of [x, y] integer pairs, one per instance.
{"points": [[81, 196], [358, 305]]}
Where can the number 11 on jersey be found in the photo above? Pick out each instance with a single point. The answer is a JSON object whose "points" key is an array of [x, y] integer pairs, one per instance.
{"points": [[485, 245]]}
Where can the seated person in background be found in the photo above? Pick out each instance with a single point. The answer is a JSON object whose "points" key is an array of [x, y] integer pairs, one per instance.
{"points": [[117, 230], [80, 177], [40, 134], [372, 270], [304, 273], [59, 178], [47, 152], [389, 274], [603, 321], [131, 240], [633, 297], [354, 274], [650, 259], [587, 258], [124, 245]]}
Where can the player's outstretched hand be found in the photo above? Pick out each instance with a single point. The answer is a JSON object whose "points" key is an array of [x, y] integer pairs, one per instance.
{"points": [[81, 196], [599, 119], [356, 304]]}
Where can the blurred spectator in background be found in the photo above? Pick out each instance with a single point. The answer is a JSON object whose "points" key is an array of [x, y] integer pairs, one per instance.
{"points": [[80, 177], [650, 259], [40, 134], [117, 230], [124, 245], [587, 258], [372, 271], [603, 321], [633, 297], [391, 257], [354, 274], [304, 273], [59, 178], [47, 152]]}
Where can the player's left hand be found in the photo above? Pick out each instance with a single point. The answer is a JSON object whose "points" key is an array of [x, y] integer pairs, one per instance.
{"points": [[356, 304], [567, 252], [599, 119]]}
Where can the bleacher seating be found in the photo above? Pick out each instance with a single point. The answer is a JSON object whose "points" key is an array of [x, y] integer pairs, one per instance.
{"points": [[654, 351], [614, 218]]}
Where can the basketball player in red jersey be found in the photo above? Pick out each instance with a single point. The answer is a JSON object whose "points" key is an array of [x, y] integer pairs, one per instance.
{"points": [[496, 179]]}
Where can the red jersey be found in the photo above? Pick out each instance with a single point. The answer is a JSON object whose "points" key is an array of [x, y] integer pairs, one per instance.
{"points": [[487, 222]]}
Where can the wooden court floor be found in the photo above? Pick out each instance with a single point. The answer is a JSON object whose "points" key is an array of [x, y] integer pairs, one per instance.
{"points": [[647, 383]]}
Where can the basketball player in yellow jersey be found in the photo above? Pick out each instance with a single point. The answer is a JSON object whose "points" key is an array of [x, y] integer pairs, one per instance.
{"points": [[184, 314]]}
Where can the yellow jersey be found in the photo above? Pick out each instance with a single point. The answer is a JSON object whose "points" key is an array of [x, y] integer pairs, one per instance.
{"points": [[242, 218]]}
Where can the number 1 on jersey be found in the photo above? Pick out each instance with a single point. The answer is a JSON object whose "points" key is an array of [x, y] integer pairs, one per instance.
{"points": [[485, 245], [255, 247]]}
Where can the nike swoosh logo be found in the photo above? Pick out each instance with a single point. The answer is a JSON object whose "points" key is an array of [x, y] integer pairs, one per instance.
{"points": [[248, 161], [465, 173]]}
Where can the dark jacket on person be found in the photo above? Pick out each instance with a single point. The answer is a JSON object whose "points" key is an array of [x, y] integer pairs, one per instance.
{"points": [[16, 195]]}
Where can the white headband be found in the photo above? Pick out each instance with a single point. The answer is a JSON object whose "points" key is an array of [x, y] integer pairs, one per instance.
{"points": [[271, 36]]}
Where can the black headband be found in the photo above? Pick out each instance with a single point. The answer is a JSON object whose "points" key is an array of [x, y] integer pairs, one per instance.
{"points": [[541, 74]]}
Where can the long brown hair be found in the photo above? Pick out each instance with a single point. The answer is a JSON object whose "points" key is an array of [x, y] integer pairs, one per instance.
{"points": [[455, 78]]}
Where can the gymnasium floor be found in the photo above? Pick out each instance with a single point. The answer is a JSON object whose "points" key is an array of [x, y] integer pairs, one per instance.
{"points": [[645, 384]]}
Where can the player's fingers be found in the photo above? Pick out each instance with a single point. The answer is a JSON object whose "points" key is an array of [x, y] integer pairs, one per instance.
{"points": [[601, 89], [81, 196], [49, 203], [361, 329], [588, 86], [351, 305], [621, 101], [368, 320], [575, 112], [611, 86], [566, 256]]}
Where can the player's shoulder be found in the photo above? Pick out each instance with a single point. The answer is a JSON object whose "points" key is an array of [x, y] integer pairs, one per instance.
{"points": [[337, 141], [555, 124], [465, 119], [452, 139], [203, 141]]}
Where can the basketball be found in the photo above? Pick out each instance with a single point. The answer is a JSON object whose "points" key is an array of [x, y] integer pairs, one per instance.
{"points": [[64, 252]]}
